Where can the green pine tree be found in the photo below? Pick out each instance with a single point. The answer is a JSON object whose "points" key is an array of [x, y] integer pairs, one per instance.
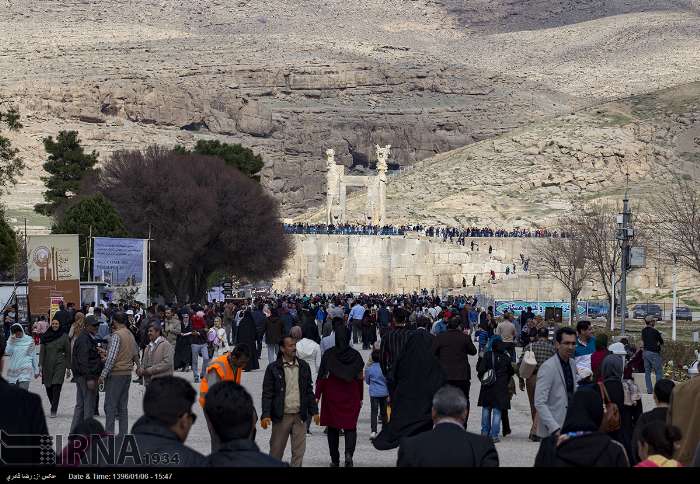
{"points": [[91, 213], [234, 155], [11, 165], [67, 165], [8, 245]]}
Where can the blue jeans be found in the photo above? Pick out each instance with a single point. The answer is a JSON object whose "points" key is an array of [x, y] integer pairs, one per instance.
{"points": [[490, 422], [196, 351], [652, 361]]}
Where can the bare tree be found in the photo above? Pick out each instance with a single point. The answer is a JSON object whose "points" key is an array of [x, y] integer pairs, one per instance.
{"points": [[565, 259], [677, 221]]}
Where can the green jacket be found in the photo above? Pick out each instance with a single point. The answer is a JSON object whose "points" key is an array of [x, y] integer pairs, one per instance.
{"points": [[54, 359]]}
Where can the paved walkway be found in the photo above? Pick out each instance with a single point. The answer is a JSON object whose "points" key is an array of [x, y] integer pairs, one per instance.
{"points": [[514, 450]]}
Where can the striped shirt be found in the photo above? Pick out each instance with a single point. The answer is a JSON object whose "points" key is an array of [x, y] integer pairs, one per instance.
{"points": [[112, 352], [390, 349]]}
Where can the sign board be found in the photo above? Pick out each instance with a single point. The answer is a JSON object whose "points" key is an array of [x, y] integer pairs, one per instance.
{"points": [[52, 270], [517, 306], [55, 306], [638, 257], [122, 264]]}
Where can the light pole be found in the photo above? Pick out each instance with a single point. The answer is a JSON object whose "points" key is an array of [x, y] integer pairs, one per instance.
{"points": [[673, 315], [612, 300], [625, 233], [538, 295]]}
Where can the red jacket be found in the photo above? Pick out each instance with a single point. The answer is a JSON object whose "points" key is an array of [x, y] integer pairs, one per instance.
{"points": [[340, 402]]}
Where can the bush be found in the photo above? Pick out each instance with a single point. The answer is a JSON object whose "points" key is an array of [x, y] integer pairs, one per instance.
{"points": [[677, 357]]}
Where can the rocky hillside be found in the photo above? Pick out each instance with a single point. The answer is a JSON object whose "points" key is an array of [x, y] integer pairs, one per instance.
{"points": [[291, 78], [527, 177]]}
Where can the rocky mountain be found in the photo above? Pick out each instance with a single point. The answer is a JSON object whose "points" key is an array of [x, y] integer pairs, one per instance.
{"points": [[291, 78], [529, 176]]}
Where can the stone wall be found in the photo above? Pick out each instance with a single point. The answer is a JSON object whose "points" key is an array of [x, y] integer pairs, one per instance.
{"points": [[397, 264]]}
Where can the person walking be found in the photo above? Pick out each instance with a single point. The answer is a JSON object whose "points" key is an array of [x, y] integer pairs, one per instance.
{"points": [[122, 355], [580, 442], [227, 367], [378, 393], [86, 363], [76, 328], [493, 394], [652, 342], [339, 387], [231, 418], [543, 350], [507, 331], [247, 335], [357, 313], [556, 383], [217, 337], [182, 358], [287, 400], [54, 361], [274, 328], [199, 345], [24, 364], [172, 327], [157, 361], [448, 444], [452, 349], [22, 414]]}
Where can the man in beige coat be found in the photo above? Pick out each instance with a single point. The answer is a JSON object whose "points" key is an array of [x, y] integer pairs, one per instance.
{"points": [[157, 358]]}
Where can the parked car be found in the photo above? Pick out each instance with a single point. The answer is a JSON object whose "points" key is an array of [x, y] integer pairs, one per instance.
{"points": [[683, 313], [641, 311]]}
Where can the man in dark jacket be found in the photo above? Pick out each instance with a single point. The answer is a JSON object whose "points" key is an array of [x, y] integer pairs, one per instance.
{"points": [[231, 418], [448, 444], [288, 401], [87, 364], [452, 349], [158, 437], [22, 414], [259, 318]]}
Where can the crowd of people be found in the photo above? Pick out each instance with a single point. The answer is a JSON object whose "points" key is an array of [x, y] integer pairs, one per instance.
{"points": [[445, 233], [585, 408]]}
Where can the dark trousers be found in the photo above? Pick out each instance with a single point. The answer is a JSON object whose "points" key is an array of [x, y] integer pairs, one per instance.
{"points": [[54, 394], [378, 405], [367, 336], [505, 421], [334, 444], [258, 345], [463, 385], [356, 330]]}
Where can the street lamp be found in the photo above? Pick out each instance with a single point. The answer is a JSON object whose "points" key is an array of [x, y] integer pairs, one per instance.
{"points": [[625, 234], [673, 315]]}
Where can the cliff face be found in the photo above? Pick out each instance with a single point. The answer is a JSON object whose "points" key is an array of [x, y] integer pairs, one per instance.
{"points": [[290, 79]]}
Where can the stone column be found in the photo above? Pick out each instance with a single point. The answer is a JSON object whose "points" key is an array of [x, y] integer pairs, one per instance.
{"points": [[331, 184], [380, 204]]}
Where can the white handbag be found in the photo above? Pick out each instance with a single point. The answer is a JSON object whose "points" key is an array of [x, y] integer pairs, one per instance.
{"points": [[528, 365]]}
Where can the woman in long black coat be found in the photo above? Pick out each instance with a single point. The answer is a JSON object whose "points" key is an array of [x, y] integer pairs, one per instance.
{"points": [[247, 334], [183, 347], [494, 398]]}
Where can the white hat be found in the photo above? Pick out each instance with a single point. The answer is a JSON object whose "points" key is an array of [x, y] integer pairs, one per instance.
{"points": [[129, 313], [617, 349]]}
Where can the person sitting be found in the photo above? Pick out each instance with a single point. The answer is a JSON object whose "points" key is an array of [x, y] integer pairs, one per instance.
{"points": [[657, 442], [448, 444], [231, 419], [581, 443]]}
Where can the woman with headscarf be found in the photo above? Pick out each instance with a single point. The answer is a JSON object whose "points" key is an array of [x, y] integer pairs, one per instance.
{"points": [[182, 358], [247, 334], [54, 361], [601, 351], [23, 365], [340, 387], [494, 397], [580, 442], [612, 370]]}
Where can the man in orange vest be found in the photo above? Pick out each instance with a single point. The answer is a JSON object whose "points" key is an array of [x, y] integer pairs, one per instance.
{"points": [[227, 367]]}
